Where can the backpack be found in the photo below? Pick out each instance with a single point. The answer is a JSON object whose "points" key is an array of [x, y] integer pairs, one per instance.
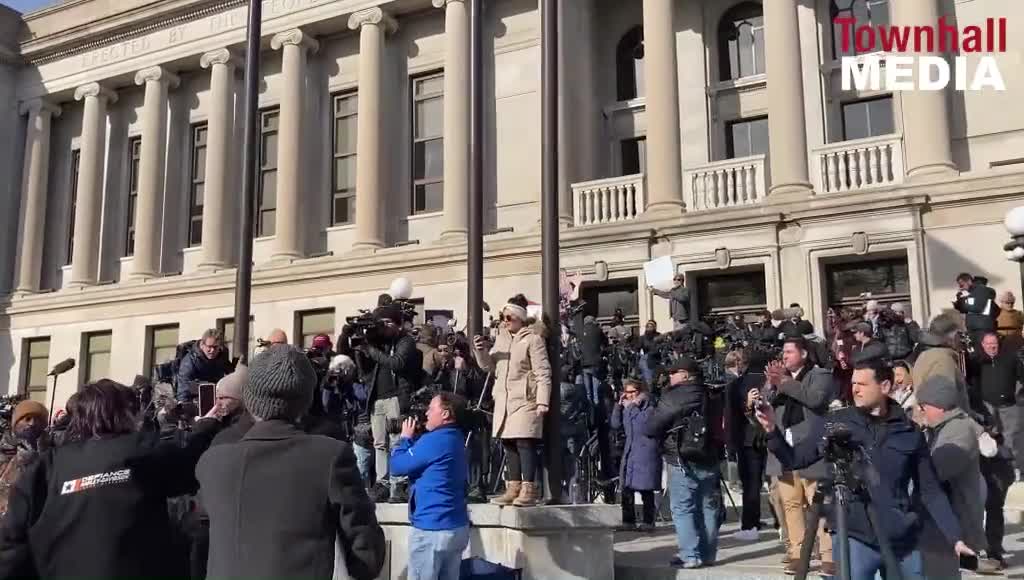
{"points": [[693, 436]]}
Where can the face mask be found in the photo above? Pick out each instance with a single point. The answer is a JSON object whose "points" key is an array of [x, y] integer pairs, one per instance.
{"points": [[29, 434]]}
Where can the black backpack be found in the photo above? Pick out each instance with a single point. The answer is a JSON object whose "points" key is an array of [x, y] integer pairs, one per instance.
{"points": [[693, 436]]}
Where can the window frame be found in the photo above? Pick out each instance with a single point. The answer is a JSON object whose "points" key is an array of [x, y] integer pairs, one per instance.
{"points": [[701, 288], [300, 333], [836, 12], [150, 362], [222, 326], [418, 182], [866, 101], [24, 386], [195, 210], [134, 165], [885, 260], [730, 142], [87, 354], [266, 166], [339, 192], [734, 20], [628, 51], [76, 161]]}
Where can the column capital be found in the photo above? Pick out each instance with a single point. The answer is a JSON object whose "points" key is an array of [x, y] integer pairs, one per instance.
{"points": [[375, 16], [157, 74], [443, 3], [95, 90], [224, 56], [38, 107], [294, 37]]}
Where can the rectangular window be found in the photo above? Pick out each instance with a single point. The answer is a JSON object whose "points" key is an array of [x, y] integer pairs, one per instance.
{"points": [[163, 344], [134, 157], [888, 280], [197, 185], [746, 137], [634, 155], [428, 143], [867, 118], [227, 329], [37, 365], [343, 204], [266, 194], [603, 299], [732, 293], [96, 347], [311, 323], [73, 198]]}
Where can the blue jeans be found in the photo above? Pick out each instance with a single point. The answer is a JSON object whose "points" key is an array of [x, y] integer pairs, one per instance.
{"points": [[592, 385], [696, 499], [364, 461], [436, 555], [645, 370], [866, 561]]}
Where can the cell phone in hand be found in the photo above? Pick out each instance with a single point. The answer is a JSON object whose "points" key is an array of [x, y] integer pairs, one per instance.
{"points": [[207, 398]]}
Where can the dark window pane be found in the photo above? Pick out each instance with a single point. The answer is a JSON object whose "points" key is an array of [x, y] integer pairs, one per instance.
{"points": [[869, 118], [732, 291], [344, 210], [268, 222], [200, 190], [880, 116], [345, 135], [759, 137], [634, 155], [429, 197], [879, 277], [195, 231], [345, 173], [268, 190], [428, 159], [855, 121], [629, 65]]}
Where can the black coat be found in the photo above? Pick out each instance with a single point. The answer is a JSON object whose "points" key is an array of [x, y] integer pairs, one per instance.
{"points": [[277, 501], [196, 368], [98, 509], [675, 405], [740, 430], [402, 359], [994, 380], [979, 307], [592, 343], [873, 350]]}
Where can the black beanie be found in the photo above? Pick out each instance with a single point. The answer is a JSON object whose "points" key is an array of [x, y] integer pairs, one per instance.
{"points": [[281, 384]]}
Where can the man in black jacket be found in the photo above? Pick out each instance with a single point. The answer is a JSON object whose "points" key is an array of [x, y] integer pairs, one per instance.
{"points": [[459, 374], [206, 362], [978, 304], [746, 440], [592, 344], [898, 455], [280, 500], [693, 477], [867, 347], [391, 367], [994, 375]]}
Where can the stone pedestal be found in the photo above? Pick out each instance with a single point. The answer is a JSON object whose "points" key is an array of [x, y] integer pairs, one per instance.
{"points": [[563, 542]]}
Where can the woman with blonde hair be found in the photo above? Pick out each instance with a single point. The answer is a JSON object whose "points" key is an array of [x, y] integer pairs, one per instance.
{"points": [[522, 392]]}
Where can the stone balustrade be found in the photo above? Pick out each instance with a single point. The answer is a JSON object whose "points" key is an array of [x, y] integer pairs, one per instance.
{"points": [[728, 183], [611, 200], [860, 164]]}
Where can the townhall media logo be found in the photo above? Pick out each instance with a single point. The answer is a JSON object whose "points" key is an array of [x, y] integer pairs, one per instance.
{"points": [[933, 72]]}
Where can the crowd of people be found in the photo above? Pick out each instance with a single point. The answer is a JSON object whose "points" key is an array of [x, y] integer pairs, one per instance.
{"points": [[157, 479]]}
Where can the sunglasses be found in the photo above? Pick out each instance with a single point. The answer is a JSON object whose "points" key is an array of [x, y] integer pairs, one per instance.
{"points": [[631, 392], [508, 318]]}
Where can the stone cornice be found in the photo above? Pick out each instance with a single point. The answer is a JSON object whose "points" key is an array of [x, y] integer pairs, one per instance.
{"points": [[223, 56], [375, 16], [37, 107], [95, 90], [294, 37], [158, 74]]}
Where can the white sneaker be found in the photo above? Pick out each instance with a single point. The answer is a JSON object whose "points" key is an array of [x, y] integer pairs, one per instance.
{"points": [[748, 535]]}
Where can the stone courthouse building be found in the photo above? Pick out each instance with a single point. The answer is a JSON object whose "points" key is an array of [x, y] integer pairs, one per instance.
{"points": [[712, 131]]}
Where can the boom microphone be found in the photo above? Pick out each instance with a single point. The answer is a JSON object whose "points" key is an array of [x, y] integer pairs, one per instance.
{"points": [[62, 367]]}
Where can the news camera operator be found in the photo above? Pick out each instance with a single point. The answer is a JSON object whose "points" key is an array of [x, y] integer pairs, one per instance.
{"points": [[897, 455], [391, 368], [977, 302], [105, 492], [205, 362]]}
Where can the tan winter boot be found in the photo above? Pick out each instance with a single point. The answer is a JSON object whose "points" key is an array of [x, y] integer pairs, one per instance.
{"points": [[512, 490], [529, 496]]}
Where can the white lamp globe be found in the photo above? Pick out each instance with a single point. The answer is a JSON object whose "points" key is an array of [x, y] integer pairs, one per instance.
{"points": [[1009, 254], [400, 289], [1014, 221], [1018, 253]]}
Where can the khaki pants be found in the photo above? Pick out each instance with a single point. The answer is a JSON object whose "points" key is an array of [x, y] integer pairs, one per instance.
{"points": [[797, 494], [780, 514]]}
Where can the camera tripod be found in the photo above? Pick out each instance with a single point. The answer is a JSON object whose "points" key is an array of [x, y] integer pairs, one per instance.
{"points": [[842, 494]]}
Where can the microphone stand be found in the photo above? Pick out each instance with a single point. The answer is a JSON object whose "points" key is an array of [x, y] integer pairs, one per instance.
{"points": [[53, 398]]}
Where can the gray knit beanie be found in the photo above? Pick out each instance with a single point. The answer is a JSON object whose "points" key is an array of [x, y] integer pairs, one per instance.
{"points": [[281, 384], [938, 391]]}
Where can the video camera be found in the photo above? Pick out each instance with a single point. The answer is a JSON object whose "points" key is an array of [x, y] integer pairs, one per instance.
{"points": [[840, 450], [418, 404]]}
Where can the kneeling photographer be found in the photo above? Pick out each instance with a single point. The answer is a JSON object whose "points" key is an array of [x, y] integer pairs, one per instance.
{"points": [[436, 464], [874, 451], [390, 366]]}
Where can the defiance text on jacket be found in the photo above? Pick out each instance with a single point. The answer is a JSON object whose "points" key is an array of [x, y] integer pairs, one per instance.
{"points": [[279, 499], [898, 454], [436, 465]]}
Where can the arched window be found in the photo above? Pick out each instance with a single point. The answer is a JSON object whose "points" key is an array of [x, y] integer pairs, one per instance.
{"points": [[741, 42], [629, 65], [865, 12]]}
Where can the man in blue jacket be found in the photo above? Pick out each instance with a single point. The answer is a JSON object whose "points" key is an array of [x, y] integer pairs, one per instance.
{"points": [[436, 465], [898, 455]]}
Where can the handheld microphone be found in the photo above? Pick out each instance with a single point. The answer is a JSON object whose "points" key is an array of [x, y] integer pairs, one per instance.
{"points": [[62, 367]]}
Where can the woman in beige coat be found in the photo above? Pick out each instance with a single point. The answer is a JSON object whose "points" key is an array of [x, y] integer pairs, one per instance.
{"points": [[522, 391]]}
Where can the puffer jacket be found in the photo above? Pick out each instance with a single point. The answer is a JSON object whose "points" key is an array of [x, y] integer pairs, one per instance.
{"points": [[522, 381], [640, 467]]}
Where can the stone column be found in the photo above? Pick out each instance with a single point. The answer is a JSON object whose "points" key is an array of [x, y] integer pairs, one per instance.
{"points": [[664, 153], [216, 241], [926, 133], [157, 80], [787, 128], [89, 196], [33, 192], [293, 45], [456, 119], [373, 24]]}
